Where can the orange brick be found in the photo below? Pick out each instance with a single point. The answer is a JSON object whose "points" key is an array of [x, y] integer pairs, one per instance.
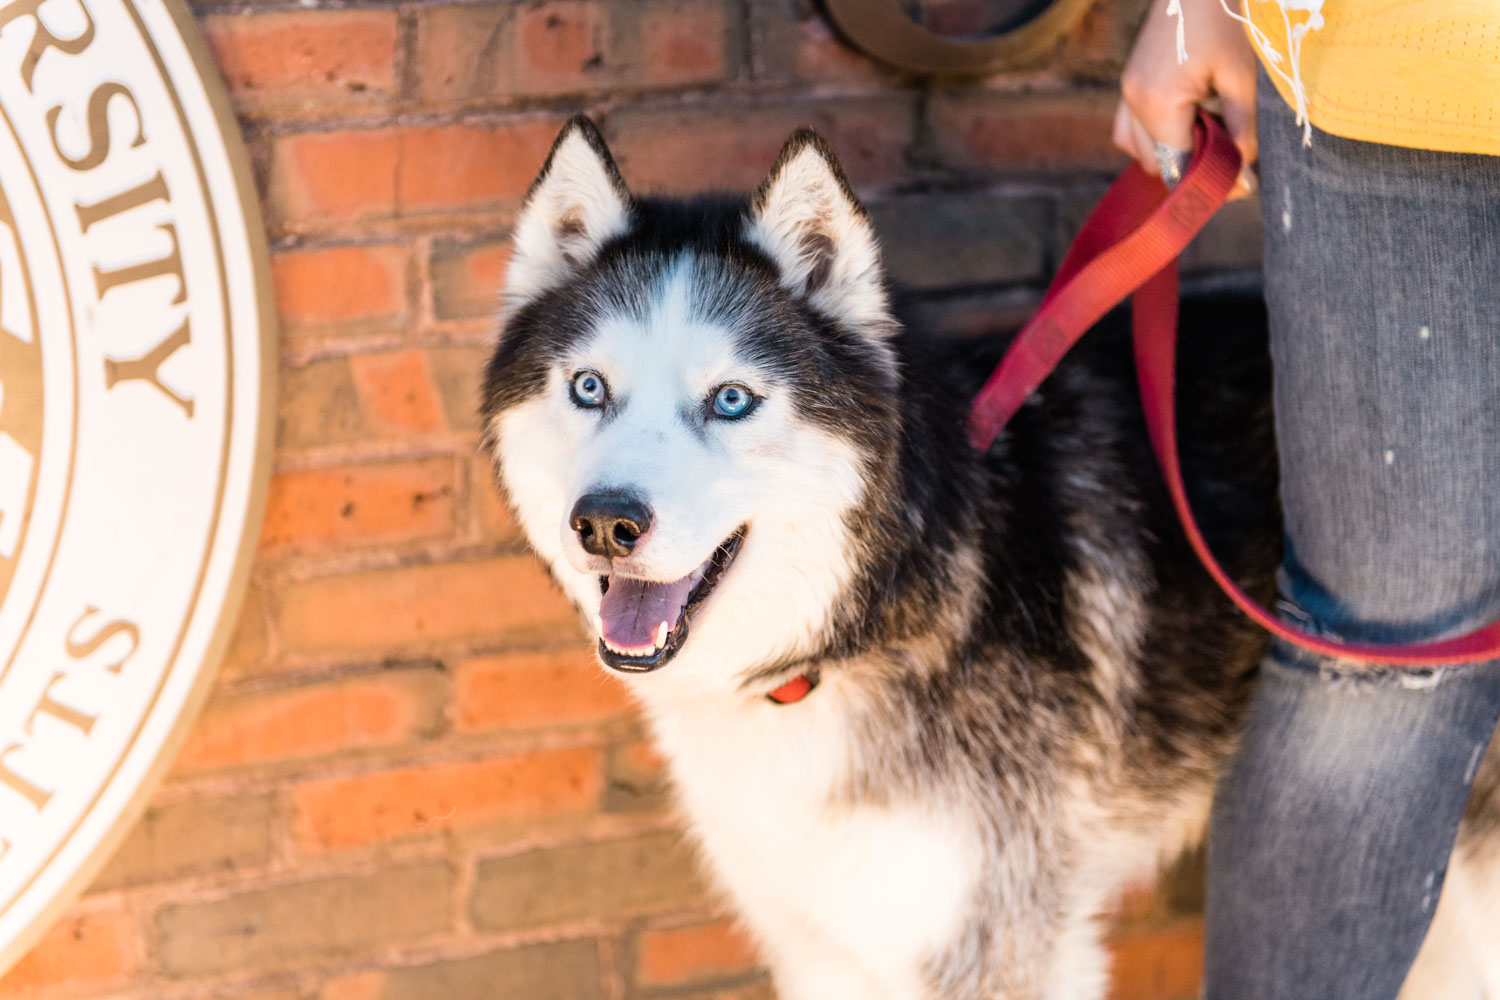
{"points": [[350, 176], [682, 42], [750, 991], [558, 45], [604, 881], [279, 926], [351, 812], [492, 516], [303, 58], [536, 689], [396, 392], [690, 149], [317, 404], [686, 954], [387, 396], [465, 52], [466, 277], [333, 176], [496, 52], [1139, 902], [97, 948], [1101, 39], [636, 779], [359, 504], [460, 167], [1005, 131], [319, 719], [422, 604], [1166, 964], [358, 986], [823, 55], [196, 836], [554, 970], [251, 641], [458, 372], [643, 758], [340, 285]]}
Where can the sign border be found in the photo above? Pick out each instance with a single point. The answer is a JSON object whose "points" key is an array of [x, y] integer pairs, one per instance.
{"points": [[880, 28], [248, 201]]}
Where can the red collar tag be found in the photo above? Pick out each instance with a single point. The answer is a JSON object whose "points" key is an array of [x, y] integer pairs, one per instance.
{"points": [[795, 689]]}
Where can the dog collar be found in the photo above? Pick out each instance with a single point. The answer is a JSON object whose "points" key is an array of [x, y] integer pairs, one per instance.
{"points": [[796, 689]]}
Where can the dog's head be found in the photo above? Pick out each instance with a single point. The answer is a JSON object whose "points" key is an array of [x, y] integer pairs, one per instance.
{"points": [[687, 404]]}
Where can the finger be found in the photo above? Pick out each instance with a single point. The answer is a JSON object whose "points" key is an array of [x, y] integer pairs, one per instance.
{"points": [[1238, 100], [1237, 97], [1147, 145], [1123, 134], [1169, 120], [1244, 185]]}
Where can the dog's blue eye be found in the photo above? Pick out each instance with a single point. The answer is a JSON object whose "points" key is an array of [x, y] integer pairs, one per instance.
{"points": [[588, 389], [732, 400]]}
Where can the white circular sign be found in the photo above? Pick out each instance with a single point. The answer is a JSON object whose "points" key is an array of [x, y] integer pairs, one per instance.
{"points": [[135, 372]]}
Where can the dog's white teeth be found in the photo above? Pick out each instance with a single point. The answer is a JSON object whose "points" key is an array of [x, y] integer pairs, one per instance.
{"points": [[661, 634]]}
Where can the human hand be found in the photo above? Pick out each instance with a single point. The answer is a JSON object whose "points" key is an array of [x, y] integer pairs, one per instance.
{"points": [[1161, 96]]}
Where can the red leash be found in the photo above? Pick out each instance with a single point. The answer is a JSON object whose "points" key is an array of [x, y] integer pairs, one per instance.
{"points": [[1130, 244]]}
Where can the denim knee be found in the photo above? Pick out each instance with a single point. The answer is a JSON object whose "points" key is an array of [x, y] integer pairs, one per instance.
{"points": [[1423, 600]]}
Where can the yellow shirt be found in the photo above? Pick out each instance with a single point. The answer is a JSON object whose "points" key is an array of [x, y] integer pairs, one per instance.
{"points": [[1420, 73]]}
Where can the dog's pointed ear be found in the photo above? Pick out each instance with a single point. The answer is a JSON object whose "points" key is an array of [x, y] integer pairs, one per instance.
{"points": [[806, 218], [575, 205]]}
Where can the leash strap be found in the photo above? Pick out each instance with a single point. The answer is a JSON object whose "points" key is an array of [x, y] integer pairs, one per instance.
{"points": [[1131, 243], [1154, 314], [1136, 230]]}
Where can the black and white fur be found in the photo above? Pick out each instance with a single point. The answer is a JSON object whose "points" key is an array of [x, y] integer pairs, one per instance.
{"points": [[1027, 682]]}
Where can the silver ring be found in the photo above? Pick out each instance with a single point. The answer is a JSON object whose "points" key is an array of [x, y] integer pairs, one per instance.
{"points": [[1172, 161]]}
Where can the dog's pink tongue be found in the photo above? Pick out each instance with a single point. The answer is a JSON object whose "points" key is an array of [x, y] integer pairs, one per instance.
{"points": [[631, 611]]}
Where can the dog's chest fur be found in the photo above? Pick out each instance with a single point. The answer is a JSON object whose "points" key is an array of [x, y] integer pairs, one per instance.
{"points": [[831, 883]]}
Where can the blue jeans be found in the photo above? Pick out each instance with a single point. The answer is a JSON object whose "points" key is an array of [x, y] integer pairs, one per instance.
{"points": [[1331, 829]]}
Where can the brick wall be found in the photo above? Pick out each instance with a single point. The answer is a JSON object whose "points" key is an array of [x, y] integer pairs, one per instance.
{"points": [[412, 781]]}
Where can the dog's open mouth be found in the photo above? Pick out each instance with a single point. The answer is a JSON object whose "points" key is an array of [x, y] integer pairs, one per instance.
{"points": [[643, 623]]}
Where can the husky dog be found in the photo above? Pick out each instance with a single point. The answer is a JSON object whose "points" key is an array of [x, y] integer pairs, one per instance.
{"points": [[1002, 683]]}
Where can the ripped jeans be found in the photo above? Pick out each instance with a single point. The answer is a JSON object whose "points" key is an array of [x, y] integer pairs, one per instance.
{"points": [[1331, 830]]}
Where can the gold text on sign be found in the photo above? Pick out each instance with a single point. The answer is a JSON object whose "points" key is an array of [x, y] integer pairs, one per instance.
{"points": [[124, 207], [22, 766]]}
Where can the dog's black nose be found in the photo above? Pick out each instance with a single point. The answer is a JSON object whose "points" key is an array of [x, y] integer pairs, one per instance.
{"points": [[609, 522]]}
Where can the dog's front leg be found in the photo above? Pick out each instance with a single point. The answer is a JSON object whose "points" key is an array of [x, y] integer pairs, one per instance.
{"points": [[826, 980], [816, 969]]}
